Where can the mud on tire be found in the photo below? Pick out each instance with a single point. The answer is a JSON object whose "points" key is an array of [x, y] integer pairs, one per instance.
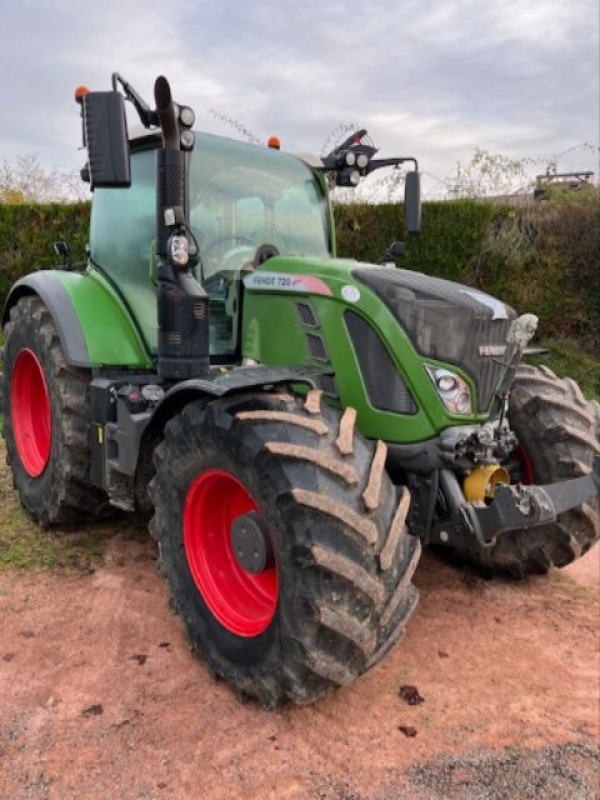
{"points": [[558, 431], [338, 530], [62, 493]]}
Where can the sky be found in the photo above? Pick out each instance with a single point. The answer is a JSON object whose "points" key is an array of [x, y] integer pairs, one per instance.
{"points": [[430, 78]]}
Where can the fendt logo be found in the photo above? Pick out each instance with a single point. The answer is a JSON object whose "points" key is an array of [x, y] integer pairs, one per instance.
{"points": [[492, 349]]}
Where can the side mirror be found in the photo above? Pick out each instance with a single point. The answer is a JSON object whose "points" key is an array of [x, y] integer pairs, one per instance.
{"points": [[394, 251], [105, 131], [61, 250], [412, 201]]}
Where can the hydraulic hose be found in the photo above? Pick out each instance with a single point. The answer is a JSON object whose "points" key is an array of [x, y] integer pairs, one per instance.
{"points": [[166, 113]]}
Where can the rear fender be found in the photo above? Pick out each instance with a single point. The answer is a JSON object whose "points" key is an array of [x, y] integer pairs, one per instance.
{"points": [[94, 326]]}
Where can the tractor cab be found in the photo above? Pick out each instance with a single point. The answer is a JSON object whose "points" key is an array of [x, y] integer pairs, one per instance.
{"points": [[246, 203]]}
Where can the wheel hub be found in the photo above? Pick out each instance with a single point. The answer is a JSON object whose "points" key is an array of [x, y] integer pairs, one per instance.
{"points": [[31, 413], [229, 553], [250, 543]]}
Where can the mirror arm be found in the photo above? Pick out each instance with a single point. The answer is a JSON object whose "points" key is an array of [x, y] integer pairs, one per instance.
{"points": [[378, 163], [147, 117]]}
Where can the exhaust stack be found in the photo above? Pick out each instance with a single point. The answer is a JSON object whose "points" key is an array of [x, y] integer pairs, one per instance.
{"points": [[183, 315]]}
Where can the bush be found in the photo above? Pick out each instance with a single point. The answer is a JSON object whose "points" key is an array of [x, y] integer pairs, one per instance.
{"points": [[543, 258], [27, 233]]}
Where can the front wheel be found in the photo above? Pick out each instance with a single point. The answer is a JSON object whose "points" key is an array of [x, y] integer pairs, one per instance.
{"points": [[558, 440], [284, 543]]}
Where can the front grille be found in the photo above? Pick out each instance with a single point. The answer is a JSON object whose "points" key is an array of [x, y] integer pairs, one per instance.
{"points": [[448, 322], [487, 371]]}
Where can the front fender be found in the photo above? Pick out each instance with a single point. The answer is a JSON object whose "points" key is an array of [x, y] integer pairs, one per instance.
{"points": [[233, 381], [94, 326]]}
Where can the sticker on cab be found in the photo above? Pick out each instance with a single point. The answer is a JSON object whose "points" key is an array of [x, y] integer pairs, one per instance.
{"points": [[283, 282]]}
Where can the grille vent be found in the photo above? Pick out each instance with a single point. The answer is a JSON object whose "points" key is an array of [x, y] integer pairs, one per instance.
{"points": [[329, 385], [307, 315], [316, 347]]}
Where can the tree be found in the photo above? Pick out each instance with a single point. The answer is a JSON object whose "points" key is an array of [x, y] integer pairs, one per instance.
{"points": [[488, 175], [28, 181]]}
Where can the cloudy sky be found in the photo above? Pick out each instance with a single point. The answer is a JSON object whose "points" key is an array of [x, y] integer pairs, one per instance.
{"points": [[432, 78]]}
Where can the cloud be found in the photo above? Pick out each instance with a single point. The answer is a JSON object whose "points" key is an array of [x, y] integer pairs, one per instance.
{"points": [[433, 79]]}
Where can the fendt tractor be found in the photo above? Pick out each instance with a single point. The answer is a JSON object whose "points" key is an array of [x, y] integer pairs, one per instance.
{"points": [[295, 425]]}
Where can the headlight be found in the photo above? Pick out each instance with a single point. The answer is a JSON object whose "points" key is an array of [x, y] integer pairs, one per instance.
{"points": [[454, 392], [446, 382], [180, 251]]}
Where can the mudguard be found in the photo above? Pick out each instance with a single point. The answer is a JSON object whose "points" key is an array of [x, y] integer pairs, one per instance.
{"points": [[237, 380], [94, 326]]}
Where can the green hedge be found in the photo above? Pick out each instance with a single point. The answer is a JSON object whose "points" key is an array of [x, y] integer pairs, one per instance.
{"points": [[543, 258], [27, 233]]}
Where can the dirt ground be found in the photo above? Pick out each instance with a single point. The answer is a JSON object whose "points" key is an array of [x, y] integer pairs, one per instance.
{"points": [[101, 698]]}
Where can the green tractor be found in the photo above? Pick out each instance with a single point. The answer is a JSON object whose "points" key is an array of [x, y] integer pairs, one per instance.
{"points": [[297, 426]]}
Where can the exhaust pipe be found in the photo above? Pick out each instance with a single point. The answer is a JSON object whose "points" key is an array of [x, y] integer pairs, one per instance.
{"points": [[183, 331], [166, 114]]}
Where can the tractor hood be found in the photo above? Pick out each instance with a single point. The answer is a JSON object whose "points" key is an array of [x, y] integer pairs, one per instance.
{"points": [[448, 322], [441, 322]]}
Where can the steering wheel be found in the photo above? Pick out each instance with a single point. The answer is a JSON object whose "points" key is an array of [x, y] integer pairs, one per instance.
{"points": [[233, 239]]}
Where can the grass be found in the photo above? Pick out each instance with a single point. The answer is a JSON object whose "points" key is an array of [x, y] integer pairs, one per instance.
{"points": [[26, 546]]}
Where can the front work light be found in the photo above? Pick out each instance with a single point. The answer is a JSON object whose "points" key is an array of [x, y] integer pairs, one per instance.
{"points": [[180, 251], [348, 177], [186, 116], [187, 140]]}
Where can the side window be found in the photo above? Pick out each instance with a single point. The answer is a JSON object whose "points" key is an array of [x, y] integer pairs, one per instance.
{"points": [[123, 224], [122, 230]]}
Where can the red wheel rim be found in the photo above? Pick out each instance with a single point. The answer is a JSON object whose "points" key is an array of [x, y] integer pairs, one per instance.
{"points": [[30, 413], [243, 603], [527, 478]]}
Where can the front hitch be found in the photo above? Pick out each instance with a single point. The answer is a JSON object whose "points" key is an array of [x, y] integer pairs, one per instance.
{"points": [[517, 508]]}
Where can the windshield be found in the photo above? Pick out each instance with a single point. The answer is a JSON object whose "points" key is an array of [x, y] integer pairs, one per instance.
{"points": [[242, 197]]}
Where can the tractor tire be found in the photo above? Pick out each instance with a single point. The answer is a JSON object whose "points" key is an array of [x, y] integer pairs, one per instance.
{"points": [[335, 592], [595, 407], [558, 440], [46, 421]]}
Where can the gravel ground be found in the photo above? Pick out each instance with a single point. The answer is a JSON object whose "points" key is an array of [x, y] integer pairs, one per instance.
{"points": [[552, 773]]}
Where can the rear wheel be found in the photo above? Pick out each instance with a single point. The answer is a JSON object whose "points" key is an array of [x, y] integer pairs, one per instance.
{"points": [[558, 440], [46, 421], [284, 543]]}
